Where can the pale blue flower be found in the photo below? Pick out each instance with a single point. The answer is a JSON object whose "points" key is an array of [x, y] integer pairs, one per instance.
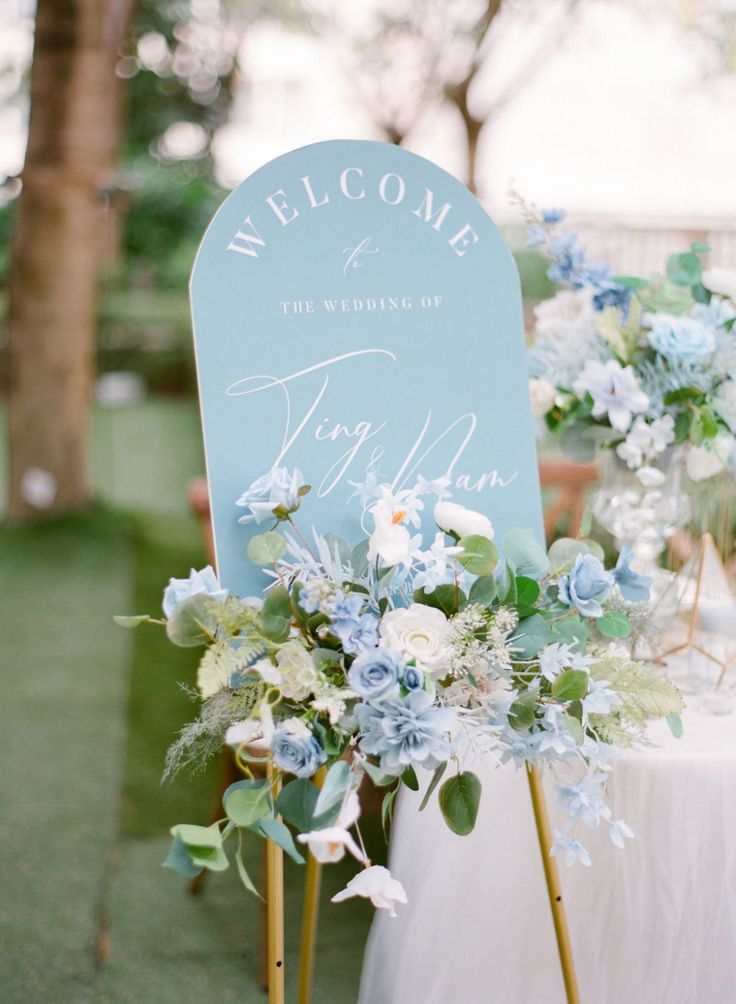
{"points": [[408, 731], [633, 586], [715, 314], [362, 635], [609, 293], [344, 612], [587, 584], [535, 236], [375, 674], [273, 495], [584, 801], [615, 391], [571, 849], [683, 338], [558, 656], [201, 583], [552, 216], [413, 678], [600, 699], [295, 750], [617, 830], [569, 260]]}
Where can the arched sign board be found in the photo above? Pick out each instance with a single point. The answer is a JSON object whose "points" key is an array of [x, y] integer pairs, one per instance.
{"points": [[356, 310]]}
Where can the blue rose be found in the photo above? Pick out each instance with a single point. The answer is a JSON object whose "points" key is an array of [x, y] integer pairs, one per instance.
{"points": [[633, 586], [295, 750], [682, 338], [408, 731], [587, 584], [202, 583], [375, 674], [413, 678]]}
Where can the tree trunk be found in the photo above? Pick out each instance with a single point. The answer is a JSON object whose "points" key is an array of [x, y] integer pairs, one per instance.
{"points": [[57, 248]]}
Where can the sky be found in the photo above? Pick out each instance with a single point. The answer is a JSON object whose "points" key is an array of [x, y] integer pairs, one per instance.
{"points": [[623, 118]]}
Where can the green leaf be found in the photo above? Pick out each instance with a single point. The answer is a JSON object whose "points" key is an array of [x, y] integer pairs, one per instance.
{"points": [[614, 624], [525, 553], [179, 860], [531, 635], [334, 789], [387, 807], [563, 552], [527, 592], [483, 591], [675, 724], [266, 548], [337, 543], [409, 777], [197, 836], [479, 555], [276, 614], [684, 269], [274, 829], [242, 872], [699, 248], [376, 775], [570, 685], [572, 630], [245, 802], [631, 281], [523, 711], [193, 621], [448, 598], [296, 803], [359, 559], [459, 801], [683, 394], [436, 778], [130, 622], [574, 727]]}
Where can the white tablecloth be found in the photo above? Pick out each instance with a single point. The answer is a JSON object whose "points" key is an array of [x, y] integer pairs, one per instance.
{"points": [[652, 924]]}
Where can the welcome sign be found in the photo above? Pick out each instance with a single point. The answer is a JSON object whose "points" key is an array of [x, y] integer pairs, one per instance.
{"points": [[357, 313]]}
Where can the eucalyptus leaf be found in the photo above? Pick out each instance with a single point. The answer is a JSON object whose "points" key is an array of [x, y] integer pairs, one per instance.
{"points": [[522, 712], [436, 778], [614, 624], [459, 800], [266, 548], [179, 860], [574, 727], [296, 802], [563, 552], [479, 555], [243, 873], [377, 776], [334, 789], [675, 725], [531, 635], [448, 598], [197, 836], [359, 559], [131, 622], [193, 621], [483, 591], [524, 552], [274, 829], [245, 802], [387, 807]]}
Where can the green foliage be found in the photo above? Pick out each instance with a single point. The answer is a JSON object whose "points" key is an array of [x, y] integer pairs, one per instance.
{"points": [[245, 802], [274, 829], [459, 800], [334, 789], [276, 614], [436, 778], [645, 694], [564, 551], [297, 802], [531, 635], [570, 685], [525, 554], [614, 624], [523, 711], [479, 556], [266, 548], [447, 598]]}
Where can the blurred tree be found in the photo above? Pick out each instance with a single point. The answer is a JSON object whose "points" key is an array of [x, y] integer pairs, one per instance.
{"points": [[57, 243]]}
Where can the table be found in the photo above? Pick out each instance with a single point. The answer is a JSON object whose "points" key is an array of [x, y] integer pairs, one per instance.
{"points": [[652, 924]]}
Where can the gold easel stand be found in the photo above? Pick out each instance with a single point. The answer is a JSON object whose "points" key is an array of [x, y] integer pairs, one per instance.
{"points": [[554, 889], [275, 908], [311, 903], [701, 586]]}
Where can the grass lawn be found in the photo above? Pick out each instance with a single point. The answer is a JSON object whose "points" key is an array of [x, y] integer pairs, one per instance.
{"points": [[88, 915]]}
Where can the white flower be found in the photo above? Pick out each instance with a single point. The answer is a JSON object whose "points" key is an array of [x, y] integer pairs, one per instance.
{"points": [[295, 675], [725, 403], [330, 844], [376, 884], [617, 830], [279, 490], [436, 563], [615, 392], [241, 733], [566, 316], [650, 477], [646, 441], [421, 633], [390, 540], [542, 394], [704, 462], [454, 518], [720, 280]]}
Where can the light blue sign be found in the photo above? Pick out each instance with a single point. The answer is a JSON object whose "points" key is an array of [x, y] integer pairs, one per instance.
{"points": [[356, 310]]}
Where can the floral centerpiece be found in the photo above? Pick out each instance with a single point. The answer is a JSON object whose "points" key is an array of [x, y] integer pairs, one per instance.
{"points": [[402, 660], [635, 365]]}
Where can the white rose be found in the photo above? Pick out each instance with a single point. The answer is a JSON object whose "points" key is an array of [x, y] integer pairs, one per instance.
{"points": [[725, 403], [297, 672], [704, 462], [420, 632], [454, 518], [720, 280], [542, 394]]}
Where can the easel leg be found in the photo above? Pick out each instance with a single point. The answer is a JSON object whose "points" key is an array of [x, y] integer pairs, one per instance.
{"points": [[275, 910], [553, 886], [310, 917]]}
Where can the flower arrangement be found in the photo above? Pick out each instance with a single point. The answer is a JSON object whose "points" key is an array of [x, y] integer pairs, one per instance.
{"points": [[392, 659], [635, 365]]}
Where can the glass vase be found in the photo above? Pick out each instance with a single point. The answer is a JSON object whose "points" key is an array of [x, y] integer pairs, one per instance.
{"points": [[643, 516]]}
